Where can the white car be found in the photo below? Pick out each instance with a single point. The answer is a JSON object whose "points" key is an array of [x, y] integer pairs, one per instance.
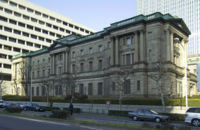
{"points": [[193, 116]]}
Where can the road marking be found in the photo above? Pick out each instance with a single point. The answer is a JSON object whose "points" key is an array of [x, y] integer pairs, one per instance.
{"points": [[90, 127], [43, 121]]}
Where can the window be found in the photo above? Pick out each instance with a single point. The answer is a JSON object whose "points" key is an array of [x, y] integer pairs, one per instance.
{"points": [[41, 38], [37, 45], [25, 34], [29, 10], [90, 50], [3, 19], [13, 4], [57, 20], [7, 66], [67, 31], [58, 36], [16, 49], [52, 34], [55, 27], [52, 18], [7, 48], [12, 21], [7, 29], [4, 1], [30, 27], [37, 13], [12, 39], [33, 36], [48, 25], [82, 30], [81, 67], [100, 48], [34, 20], [73, 68], [127, 87], [81, 87], [100, 65], [10, 57], [90, 89], [17, 14], [43, 73], [21, 42], [60, 90], [17, 32], [45, 31], [100, 88], [37, 91], [48, 40], [45, 16], [21, 24], [3, 56], [29, 43], [113, 86], [60, 70], [43, 91], [138, 85], [37, 29], [77, 28], [8, 11], [3, 37], [128, 59], [22, 7], [24, 51], [64, 23], [41, 22], [82, 52], [128, 40], [90, 66], [70, 25], [61, 29], [33, 89], [73, 54]]}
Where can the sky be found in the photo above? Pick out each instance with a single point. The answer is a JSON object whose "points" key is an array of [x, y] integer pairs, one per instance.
{"points": [[94, 14]]}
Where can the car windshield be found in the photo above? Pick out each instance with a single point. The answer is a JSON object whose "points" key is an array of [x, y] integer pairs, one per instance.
{"points": [[154, 112]]}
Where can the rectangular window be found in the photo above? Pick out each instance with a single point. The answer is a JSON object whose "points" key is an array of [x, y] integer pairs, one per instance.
{"points": [[22, 7], [43, 73], [16, 49], [128, 59], [3, 19], [127, 87], [30, 27], [45, 31], [81, 87], [41, 38], [48, 40], [13, 4], [17, 32], [100, 88], [12, 21], [34, 20], [12, 39], [100, 48], [82, 52], [21, 42], [25, 34], [64, 23], [138, 85], [58, 36], [17, 14], [81, 67], [29, 10], [21, 24], [37, 45], [55, 27], [48, 25], [3, 56], [90, 66], [73, 68], [3, 37], [37, 29], [61, 29], [34, 36], [90, 50], [24, 51], [37, 13], [7, 66], [45, 16], [100, 65], [113, 86], [90, 89], [128, 41], [52, 34], [29, 43], [8, 11], [41, 22], [7, 48], [7, 29], [37, 91]]}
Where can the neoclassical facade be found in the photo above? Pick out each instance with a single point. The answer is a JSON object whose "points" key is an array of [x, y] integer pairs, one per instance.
{"points": [[142, 56]]}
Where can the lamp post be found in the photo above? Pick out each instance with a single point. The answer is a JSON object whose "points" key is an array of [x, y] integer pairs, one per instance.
{"points": [[185, 70]]}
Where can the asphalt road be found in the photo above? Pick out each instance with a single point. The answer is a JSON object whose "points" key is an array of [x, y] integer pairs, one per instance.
{"points": [[8, 122]]}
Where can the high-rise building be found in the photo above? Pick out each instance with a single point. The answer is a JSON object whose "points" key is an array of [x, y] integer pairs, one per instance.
{"points": [[26, 27], [189, 10]]}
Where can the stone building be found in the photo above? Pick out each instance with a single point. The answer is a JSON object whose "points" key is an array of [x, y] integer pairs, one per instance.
{"points": [[142, 56]]}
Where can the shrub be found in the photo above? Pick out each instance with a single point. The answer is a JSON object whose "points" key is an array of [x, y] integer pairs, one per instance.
{"points": [[13, 109], [51, 108], [118, 113], [175, 117], [60, 114]]}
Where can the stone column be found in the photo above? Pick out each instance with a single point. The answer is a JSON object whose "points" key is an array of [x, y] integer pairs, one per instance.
{"points": [[52, 64], [65, 69], [142, 49], [112, 52], [136, 47], [66, 61], [116, 51], [169, 45]]}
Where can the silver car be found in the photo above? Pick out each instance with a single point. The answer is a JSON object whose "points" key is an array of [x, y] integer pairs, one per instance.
{"points": [[193, 116], [144, 114]]}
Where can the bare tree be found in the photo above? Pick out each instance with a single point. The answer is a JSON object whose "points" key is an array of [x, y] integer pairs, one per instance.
{"points": [[121, 83]]}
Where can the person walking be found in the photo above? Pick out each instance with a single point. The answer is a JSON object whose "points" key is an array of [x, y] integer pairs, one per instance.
{"points": [[71, 107]]}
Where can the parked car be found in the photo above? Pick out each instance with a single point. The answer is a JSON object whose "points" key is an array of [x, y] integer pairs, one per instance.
{"points": [[33, 107], [1, 103], [193, 116], [21, 105], [144, 114]]}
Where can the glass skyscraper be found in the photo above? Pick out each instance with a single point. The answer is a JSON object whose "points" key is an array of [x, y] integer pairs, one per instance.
{"points": [[189, 10]]}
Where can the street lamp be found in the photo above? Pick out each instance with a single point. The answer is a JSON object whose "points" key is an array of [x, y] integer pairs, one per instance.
{"points": [[177, 40]]}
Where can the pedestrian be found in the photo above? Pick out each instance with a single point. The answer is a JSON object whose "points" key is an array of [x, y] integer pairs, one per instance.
{"points": [[71, 107]]}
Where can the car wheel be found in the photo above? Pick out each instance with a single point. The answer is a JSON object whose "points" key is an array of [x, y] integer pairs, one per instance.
{"points": [[196, 122], [135, 118], [157, 119]]}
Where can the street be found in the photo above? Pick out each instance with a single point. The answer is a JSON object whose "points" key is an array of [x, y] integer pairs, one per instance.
{"points": [[8, 122]]}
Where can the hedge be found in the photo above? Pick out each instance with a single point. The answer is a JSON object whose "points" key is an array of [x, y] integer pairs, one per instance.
{"points": [[13, 109], [118, 113], [60, 114], [194, 101], [75, 110]]}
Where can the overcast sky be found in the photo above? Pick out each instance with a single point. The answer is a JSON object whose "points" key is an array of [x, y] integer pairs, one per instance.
{"points": [[95, 14]]}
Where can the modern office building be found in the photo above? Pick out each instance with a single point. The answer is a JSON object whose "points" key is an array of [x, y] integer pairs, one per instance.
{"points": [[188, 10], [137, 57], [26, 27]]}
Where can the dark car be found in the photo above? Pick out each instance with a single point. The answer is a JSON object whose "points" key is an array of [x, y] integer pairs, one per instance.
{"points": [[143, 114], [33, 107], [1, 103]]}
